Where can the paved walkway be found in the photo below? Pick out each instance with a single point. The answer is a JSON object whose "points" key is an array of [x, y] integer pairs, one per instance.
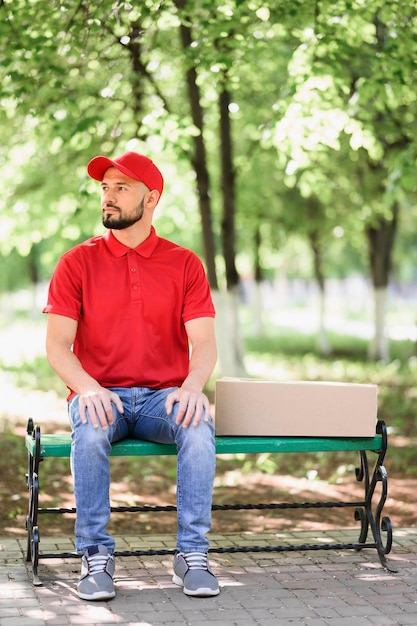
{"points": [[344, 588]]}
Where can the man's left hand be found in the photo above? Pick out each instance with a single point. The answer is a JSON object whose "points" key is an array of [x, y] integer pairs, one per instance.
{"points": [[192, 406]]}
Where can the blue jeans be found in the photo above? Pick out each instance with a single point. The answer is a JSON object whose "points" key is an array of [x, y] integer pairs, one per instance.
{"points": [[145, 418]]}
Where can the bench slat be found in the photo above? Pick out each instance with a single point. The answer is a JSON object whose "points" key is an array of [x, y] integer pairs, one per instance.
{"points": [[59, 445]]}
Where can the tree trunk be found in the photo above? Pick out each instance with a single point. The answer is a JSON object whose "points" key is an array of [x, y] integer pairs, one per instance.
{"points": [[323, 343], [381, 237], [234, 359], [258, 318], [228, 190], [199, 159], [33, 271], [228, 336], [228, 333], [379, 345]]}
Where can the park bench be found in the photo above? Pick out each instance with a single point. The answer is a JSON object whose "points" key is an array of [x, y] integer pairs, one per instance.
{"points": [[368, 512]]}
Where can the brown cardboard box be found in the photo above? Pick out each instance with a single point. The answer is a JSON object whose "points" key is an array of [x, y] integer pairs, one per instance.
{"points": [[298, 408]]}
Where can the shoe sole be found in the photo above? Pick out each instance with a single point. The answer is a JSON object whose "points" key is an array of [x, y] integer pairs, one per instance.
{"points": [[99, 595], [201, 591]]}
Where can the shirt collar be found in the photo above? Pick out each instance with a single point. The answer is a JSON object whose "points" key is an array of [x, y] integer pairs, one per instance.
{"points": [[118, 249]]}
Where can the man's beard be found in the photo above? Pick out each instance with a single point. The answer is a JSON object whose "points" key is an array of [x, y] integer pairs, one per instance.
{"points": [[117, 222]]}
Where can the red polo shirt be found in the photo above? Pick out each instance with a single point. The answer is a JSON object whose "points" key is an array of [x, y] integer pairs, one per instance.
{"points": [[131, 306]]}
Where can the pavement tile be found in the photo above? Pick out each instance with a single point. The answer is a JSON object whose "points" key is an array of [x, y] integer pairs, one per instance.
{"points": [[312, 588]]}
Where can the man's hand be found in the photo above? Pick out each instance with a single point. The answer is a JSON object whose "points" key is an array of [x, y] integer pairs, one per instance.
{"points": [[192, 403], [98, 404]]}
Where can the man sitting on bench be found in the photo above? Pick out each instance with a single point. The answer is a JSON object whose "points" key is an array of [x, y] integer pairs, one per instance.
{"points": [[123, 308]]}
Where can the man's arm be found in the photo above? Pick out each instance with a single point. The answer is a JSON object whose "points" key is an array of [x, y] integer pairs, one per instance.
{"points": [[96, 399], [203, 358]]}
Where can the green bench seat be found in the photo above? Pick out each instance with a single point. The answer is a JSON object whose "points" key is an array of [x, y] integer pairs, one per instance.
{"points": [[60, 445]]}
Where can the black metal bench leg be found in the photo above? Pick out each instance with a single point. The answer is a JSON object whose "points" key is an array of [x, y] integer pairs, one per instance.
{"points": [[33, 531], [375, 521], [362, 474], [32, 481], [378, 523]]}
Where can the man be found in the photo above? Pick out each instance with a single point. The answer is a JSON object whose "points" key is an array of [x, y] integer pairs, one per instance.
{"points": [[123, 310]]}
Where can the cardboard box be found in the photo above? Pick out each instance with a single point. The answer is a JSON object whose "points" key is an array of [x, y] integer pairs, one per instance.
{"points": [[298, 408]]}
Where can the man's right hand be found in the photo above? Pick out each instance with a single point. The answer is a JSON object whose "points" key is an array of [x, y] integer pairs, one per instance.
{"points": [[98, 404]]}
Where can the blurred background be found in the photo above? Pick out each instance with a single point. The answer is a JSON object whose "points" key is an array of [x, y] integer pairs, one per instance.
{"points": [[286, 132]]}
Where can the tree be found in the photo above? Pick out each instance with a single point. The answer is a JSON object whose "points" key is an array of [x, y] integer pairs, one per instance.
{"points": [[351, 69]]}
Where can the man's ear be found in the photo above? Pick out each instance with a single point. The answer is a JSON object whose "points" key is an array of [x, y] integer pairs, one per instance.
{"points": [[152, 198]]}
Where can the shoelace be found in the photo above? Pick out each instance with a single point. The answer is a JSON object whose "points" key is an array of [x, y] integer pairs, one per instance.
{"points": [[97, 563], [196, 560]]}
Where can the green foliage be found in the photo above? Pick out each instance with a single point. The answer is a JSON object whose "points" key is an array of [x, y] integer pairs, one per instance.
{"points": [[323, 117], [17, 274]]}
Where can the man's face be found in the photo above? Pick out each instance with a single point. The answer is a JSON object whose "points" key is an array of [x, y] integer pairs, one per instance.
{"points": [[122, 199]]}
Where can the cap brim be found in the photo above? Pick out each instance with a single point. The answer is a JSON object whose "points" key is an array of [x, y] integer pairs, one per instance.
{"points": [[98, 166]]}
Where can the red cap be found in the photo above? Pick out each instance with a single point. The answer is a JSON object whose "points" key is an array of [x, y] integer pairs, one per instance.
{"points": [[132, 164]]}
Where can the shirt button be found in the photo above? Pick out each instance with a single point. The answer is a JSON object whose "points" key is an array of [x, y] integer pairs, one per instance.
{"points": [[133, 269], [135, 287]]}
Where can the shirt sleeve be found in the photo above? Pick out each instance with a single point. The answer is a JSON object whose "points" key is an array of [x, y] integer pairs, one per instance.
{"points": [[65, 289], [197, 300]]}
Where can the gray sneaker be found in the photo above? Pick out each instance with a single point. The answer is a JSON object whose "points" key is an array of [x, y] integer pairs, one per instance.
{"points": [[97, 569], [192, 572]]}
